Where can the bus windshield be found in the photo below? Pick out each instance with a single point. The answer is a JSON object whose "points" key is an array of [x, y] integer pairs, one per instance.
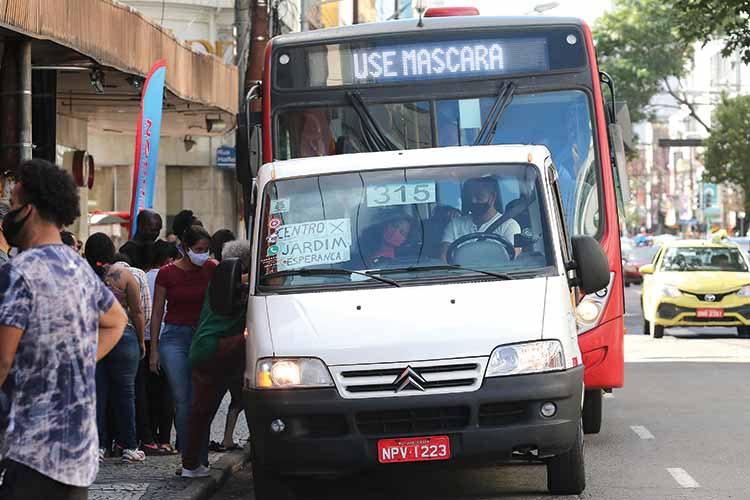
{"points": [[408, 224], [560, 120]]}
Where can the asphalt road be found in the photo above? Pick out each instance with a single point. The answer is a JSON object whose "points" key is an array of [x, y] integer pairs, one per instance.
{"points": [[677, 430]]}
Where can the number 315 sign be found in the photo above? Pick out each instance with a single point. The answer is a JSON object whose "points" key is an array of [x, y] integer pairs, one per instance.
{"points": [[386, 195]]}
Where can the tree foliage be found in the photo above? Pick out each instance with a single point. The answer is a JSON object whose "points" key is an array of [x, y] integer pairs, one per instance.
{"points": [[727, 155], [639, 44], [712, 19]]}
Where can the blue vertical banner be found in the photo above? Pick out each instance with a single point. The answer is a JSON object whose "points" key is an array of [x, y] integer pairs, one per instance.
{"points": [[147, 142]]}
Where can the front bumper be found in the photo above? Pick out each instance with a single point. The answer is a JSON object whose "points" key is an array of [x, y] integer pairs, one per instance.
{"points": [[326, 433], [683, 311]]}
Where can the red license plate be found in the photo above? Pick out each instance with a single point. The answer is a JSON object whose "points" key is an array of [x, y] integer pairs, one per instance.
{"points": [[709, 313], [416, 449]]}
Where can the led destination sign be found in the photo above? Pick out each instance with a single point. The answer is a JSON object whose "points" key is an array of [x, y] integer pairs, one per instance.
{"points": [[448, 59]]}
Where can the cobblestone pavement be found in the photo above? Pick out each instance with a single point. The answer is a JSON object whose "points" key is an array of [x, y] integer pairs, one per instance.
{"points": [[156, 479]]}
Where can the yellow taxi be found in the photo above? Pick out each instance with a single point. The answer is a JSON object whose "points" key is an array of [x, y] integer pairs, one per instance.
{"points": [[696, 283]]}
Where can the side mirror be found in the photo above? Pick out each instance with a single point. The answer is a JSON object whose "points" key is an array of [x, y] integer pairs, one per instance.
{"points": [[255, 149], [646, 269], [592, 264], [225, 289]]}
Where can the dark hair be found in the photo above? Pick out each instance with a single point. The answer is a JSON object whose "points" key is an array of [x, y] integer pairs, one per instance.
{"points": [[68, 238], [99, 251], [121, 257], [182, 221], [193, 235], [50, 189], [218, 240], [162, 250]]}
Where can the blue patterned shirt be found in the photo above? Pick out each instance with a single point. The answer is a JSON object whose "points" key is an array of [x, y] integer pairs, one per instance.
{"points": [[53, 295]]}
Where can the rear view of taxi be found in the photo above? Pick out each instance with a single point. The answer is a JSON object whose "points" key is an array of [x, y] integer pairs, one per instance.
{"points": [[696, 283]]}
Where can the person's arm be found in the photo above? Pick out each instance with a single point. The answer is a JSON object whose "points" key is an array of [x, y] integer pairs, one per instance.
{"points": [[449, 236], [157, 315], [509, 231], [111, 325], [10, 336], [133, 297]]}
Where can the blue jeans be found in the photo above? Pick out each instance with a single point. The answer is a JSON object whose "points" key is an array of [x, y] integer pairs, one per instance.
{"points": [[174, 346], [115, 382]]}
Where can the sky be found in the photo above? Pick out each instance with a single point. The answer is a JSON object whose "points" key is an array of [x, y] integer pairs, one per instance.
{"points": [[588, 10]]}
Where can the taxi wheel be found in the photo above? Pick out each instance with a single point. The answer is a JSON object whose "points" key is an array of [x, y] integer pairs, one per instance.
{"points": [[743, 331], [271, 486], [646, 327], [566, 473], [657, 331]]}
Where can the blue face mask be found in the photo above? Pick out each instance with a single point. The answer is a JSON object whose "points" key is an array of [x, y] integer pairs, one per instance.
{"points": [[198, 259]]}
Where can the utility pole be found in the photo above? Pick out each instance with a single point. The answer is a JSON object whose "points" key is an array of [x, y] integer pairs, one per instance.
{"points": [[258, 42], [355, 11]]}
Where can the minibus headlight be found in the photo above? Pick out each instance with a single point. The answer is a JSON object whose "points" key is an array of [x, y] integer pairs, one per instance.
{"points": [[588, 311], [280, 373], [532, 357]]}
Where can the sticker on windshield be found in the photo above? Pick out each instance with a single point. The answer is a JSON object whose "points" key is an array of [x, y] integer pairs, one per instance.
{"points": [[405, 193], [274, 223], [280, 206], [313, 243]]}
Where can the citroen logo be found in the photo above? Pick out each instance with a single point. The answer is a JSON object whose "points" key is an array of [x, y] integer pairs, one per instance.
{"points": [[408, 378], [709, 297]]}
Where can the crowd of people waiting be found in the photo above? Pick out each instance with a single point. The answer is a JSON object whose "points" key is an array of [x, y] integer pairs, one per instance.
{"points": [[173, 363]]}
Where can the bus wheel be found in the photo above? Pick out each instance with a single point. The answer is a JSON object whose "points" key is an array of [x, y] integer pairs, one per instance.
{"points": [[657, 331], [566, 473], [271, 486], [592, 411]]}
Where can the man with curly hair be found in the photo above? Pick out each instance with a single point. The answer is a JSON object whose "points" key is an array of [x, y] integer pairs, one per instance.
{"points": [[57, 318]]}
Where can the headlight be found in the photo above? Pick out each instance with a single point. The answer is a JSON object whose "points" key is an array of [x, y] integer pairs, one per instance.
{"points": [[744, 291], [670, 291], [533, 357], [587, 311], [279, 373]]}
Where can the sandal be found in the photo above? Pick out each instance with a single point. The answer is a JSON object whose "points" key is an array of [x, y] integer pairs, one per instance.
{"points": [[167, 449]]}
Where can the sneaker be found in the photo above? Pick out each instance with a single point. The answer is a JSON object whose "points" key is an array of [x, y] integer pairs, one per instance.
{"points": [[200, 471], [133, 456]]}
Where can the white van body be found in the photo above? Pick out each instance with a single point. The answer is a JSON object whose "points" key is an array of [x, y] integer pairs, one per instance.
{"points": [[436, 335]]}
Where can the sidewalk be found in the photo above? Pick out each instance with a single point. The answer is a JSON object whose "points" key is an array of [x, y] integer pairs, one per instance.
{"points": [[156, 479]]}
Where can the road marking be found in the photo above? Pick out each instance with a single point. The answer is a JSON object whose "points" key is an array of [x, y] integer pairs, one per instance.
{"points": [[609, 395], [683, 478], [642, 432]]}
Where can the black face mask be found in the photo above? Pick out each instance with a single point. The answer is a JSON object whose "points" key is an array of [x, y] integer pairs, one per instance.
{"points": [[12, 227], [478, 208]]}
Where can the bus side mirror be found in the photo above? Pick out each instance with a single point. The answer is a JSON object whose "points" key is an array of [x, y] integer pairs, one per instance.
{"points": [[225, 290], [592, 266], [646, 269], [255, 150]]}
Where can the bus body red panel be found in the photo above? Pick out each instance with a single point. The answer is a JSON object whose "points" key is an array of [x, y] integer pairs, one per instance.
{"points": [[602, 347]]}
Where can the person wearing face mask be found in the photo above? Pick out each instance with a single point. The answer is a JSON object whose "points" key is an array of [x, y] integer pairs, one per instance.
{"points": [[481, 196], [183, 284], [141, 248]]}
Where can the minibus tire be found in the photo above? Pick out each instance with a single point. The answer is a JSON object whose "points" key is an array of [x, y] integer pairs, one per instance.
{"points": [[592, 411], [657, 331], [270, 486], [566, 473]]}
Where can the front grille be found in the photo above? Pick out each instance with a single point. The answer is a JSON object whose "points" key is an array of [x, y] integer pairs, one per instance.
{"points": [[726, 320], [412, 421], [718, 297], [409, 379], [670, 311], [498, 414]]}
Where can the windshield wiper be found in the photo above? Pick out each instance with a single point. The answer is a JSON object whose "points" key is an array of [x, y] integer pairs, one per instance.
{"points": [[489, 127], [323, 272], [440, 267], [374, 135]]}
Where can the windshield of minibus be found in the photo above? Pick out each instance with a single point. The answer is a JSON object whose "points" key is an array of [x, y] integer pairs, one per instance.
{"points": [[438, 223], [560, 120]]}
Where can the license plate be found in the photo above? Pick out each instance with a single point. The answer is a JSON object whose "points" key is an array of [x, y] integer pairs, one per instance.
{"points": [[710, 313], [416, 449]]}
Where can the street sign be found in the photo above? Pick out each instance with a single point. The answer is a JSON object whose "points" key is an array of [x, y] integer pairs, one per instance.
{"points": [[675, 143], [226, 157]]}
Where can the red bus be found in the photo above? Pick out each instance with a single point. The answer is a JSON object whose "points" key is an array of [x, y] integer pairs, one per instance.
{"points": [[466, 80]]}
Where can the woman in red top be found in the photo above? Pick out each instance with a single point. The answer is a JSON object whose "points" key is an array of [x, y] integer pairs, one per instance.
{"points": [[182, 285]]}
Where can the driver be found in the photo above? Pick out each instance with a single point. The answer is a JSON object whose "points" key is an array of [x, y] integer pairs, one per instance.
{"points": [[481, 195]]}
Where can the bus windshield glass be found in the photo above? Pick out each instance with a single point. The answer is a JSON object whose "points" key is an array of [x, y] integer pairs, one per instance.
{"points": [[437, 223], [560, 120]]}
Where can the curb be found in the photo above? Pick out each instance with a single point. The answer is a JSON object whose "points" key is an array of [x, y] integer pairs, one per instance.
{"points": [[221, 471]]}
